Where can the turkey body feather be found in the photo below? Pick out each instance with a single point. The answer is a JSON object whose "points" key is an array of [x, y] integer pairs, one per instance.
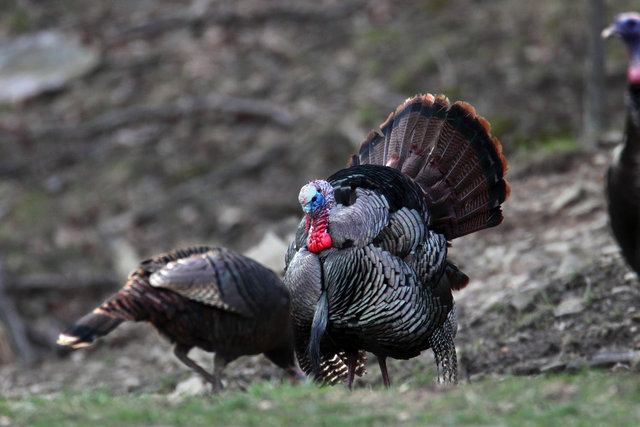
{"points": [[623, 176], [368, 269], [211, 298]]}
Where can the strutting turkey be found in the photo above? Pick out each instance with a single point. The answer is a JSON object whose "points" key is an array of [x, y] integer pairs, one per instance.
{"points": [[368, 268], [623, 176], [211, 298]]}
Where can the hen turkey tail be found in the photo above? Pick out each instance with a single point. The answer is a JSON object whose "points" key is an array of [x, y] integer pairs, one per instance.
{"points": [[105, 318], [129, 303], [88, 329], [448, 150]]}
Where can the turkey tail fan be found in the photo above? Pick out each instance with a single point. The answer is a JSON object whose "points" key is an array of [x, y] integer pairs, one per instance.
{"points": [[88, 329], [406, 136], [468, 167], [448, 150]]}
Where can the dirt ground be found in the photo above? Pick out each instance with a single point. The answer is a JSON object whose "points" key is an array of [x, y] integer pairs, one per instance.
{"points": [[156, 148], [554, 295]]}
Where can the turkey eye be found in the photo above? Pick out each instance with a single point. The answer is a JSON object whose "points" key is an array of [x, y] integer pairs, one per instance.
{"points": [[314, 198], [630, 24]]}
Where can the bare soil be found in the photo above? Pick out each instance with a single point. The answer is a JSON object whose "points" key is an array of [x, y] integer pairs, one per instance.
{"points": [[85, 195]]}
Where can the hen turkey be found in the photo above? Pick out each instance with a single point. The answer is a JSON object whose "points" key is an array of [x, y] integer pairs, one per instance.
{"points": [[211, 298], [368, 269], [623, 176]]}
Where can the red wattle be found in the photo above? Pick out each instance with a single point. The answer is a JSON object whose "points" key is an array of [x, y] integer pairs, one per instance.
{"points": [[318, 242], [317, 225]]}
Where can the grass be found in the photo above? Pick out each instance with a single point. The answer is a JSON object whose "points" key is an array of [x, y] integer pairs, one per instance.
{"points": [[558, 144], [588, 398]]}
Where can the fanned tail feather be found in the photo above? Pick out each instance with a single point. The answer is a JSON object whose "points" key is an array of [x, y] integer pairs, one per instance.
{"points": [[448, 150]]}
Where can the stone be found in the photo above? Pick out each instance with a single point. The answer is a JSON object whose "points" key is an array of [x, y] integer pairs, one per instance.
{"points": [[41, 62], [567, 197], [571, 305], [270, 252], [192, 386]]}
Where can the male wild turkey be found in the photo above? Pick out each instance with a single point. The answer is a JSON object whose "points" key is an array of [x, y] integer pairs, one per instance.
{"points": [[211, 298], [623, 176], [368, 269]]}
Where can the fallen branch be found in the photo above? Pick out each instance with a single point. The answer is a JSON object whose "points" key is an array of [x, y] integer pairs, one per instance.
{"points": [[602, 360]]}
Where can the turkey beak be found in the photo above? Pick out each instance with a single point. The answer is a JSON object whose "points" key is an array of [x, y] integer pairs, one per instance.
{"points": [[304, 203], [609, 31], [304, 198]]}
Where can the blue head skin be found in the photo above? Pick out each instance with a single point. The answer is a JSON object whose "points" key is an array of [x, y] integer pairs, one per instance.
{"points": [[316, 196], [627, 27], [311, 199]]}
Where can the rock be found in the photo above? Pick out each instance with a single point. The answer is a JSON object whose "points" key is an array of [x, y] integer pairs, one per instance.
{"points": [[45, 61], [270, 252], [620, 290], [608, 140], [523, 296], [230, 216], [521, 300], [265, 405], [573, 261], [132, 383], [630, 276], [584, 208], [571, 305], [559, 390], [567, 197], [198, 355], [192, 386]]}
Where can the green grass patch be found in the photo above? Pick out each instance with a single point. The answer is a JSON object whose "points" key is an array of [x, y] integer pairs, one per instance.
{"points": [[560, 145], [588, 398], [556, 144], [376, 35]]}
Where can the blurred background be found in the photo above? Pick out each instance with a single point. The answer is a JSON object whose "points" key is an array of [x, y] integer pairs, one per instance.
{"points": [[131, 128]]}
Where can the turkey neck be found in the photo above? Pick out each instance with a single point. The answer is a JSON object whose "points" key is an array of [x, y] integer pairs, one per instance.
{"points": [[633, 71], [317, 225], [631, 151]]}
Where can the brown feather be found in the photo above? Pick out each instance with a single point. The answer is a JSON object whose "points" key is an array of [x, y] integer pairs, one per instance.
{"points": [[448, 150], [200, 308]]}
